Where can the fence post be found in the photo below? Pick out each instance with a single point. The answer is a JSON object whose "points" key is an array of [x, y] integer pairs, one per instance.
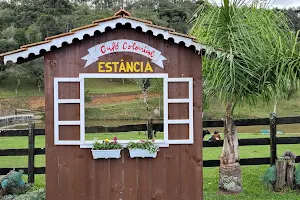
{"points": [[31, 142], [273, 148], [150, 128]]}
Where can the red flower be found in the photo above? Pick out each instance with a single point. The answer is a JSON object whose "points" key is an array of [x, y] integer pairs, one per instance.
{"points": [[153, 140]]}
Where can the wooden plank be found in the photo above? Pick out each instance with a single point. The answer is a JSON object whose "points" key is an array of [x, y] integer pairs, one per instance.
{"points": [[50, 65], [102, 179], [245, 161], [281, 165], [31, 143], [288, 140], [37, 170], [13, 133], [288, 120], [144, 178], [20, 152], [158, 181], [242, 142], [64, 152], [290, 173], [273, 138], [130, 172], [195, 158], [172, 162]]}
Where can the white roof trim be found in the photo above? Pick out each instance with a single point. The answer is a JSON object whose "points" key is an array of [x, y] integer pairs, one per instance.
{"points": [[57, 42]]}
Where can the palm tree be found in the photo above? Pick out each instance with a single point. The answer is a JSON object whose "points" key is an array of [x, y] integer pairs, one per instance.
{"points": [[262, 62]]}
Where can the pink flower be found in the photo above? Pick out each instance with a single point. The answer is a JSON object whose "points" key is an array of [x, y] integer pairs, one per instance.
{"points": [[153, 140], [115, 139]]}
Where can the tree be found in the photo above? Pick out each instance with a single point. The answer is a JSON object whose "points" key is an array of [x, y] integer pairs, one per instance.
{"points": [[35, 70], [144, 85], [262, 61], [48, 25], [293, 15], [19, 73]]}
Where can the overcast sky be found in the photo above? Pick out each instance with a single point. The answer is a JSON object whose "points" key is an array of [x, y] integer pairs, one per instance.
{"points": [[280, 3]]}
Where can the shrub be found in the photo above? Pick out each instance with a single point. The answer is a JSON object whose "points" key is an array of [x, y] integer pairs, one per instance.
{"points": [[297, 176], [142, 144], [87, 98], [269, 177], [13, 184], [31, 195]]}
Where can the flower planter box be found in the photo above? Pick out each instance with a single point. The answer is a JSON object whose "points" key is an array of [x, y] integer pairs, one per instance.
{"points": [[141, 153], [115, 153]]}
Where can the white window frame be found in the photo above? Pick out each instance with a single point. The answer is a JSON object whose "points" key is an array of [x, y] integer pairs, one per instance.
{"points": [[164, 76], [88, 144]]}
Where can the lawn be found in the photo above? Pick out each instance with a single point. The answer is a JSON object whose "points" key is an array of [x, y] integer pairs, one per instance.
{"points": [[253, 189], [109, 86], [135, 135], [25, 89], [123, 110]]}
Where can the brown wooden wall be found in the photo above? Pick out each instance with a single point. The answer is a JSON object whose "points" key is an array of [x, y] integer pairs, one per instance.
{"points": [[72, 173]]}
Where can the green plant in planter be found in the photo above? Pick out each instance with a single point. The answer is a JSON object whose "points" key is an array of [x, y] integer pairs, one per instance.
{"points": [[106, 144], [144, 144]]}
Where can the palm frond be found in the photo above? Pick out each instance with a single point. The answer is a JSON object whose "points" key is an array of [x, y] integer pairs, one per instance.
{"points": [[263, 52]]}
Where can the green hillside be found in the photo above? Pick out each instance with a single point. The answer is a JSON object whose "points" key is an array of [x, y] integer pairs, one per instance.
{"points": [[28, 93]]}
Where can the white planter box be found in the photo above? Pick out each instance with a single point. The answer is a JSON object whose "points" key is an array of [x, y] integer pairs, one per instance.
{"points": [[116, 153], [141, 153]]}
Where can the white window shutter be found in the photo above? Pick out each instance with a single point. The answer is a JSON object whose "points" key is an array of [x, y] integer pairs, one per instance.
{"points": [[190, 119], [58, 101]]}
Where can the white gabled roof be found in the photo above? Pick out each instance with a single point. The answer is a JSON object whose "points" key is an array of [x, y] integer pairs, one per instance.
{"points": [[37, 49]]}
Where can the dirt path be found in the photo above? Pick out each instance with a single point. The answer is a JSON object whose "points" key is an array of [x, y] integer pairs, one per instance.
{"points": [[103, 99]]}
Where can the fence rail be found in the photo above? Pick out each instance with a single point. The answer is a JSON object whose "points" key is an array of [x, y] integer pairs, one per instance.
{"points": [[272, 141]]}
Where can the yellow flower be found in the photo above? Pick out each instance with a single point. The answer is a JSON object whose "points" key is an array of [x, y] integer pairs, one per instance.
{"points": [[106, 140]]}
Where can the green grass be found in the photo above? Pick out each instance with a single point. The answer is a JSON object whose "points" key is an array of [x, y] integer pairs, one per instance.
{"points": [[106, 86], [253, 188], [26, 88], [216, 110], [135, 135], [128, 110], [213, 153]]}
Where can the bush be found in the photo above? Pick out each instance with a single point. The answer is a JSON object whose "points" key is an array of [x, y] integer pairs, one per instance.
{"points": [[297, 176], [13, 184], [87, 98], [269, 177], [32, 195]]}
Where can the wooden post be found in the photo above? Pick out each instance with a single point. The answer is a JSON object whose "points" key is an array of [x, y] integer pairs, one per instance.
{"points": [[280, 174], [273, 148], [290, 173], [31, 142], [150, 128]]}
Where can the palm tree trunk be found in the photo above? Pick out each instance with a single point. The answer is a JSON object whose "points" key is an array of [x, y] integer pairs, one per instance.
{"points": [[230, 174]]}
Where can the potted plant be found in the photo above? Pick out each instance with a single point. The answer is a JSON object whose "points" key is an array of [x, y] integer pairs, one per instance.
{"points": [[142, 149], [106, 149]]}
